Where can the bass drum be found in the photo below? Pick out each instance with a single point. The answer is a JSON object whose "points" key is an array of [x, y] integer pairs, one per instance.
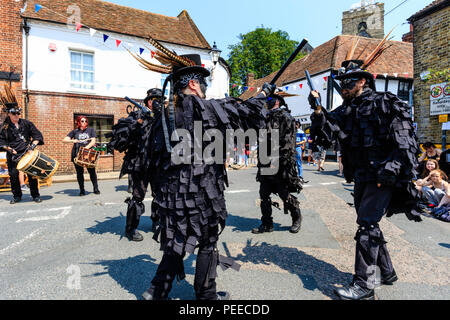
{"points": [[37, 164]]}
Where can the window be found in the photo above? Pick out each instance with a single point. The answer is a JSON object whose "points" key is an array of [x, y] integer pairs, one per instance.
{"points": [[403, 90], [102, 125], [81, 70]]}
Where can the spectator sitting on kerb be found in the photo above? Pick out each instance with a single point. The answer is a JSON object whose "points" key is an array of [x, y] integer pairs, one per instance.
{"points": [[431, 152], [430, 166], [436, 190]]}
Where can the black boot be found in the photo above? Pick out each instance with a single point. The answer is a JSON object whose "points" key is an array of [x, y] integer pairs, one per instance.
{"points": [[37, 199], [223, 295], [390, 279], [153, 294], [262, 228], [15, 200], [296, 223], [355, 292], [96, 191], [82, 193], [134, 235]]}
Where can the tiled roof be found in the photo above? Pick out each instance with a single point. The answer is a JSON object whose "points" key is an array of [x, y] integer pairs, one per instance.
{"points": [[429, 9], [105, 16], [398, 58]]}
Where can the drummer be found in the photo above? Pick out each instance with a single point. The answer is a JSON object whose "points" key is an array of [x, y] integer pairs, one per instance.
{"points": [[83, 136], [16, 136]]}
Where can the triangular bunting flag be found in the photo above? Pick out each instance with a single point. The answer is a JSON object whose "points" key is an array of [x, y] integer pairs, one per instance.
{"points": [[245, 89], [118, 42], [234, 85], [92, 31], [105, 37], [37, 7], [301, 85], [385, 75], [78, 26], [153, 54], [141, 50], [325, 78], [287, 88], [258, 90], [396, 75], [251, 89], [240, 87], [406, 74], [375, 75]]}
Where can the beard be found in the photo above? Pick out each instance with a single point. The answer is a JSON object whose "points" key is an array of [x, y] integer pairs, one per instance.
{"points": [[203, 90]]}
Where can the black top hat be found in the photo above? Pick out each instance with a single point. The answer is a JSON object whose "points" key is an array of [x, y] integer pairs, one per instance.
{"points": [[273, 98], [12, 107], [198, 68], [154, 93], [352, 69]]}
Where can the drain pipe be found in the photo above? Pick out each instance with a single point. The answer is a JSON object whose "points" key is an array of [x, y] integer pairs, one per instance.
{"points": [[26, 28]]}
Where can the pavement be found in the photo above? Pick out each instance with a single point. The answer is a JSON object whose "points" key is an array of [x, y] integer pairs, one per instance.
{"points": [[72, 248]]}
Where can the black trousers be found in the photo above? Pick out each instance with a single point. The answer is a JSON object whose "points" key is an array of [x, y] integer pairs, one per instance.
{"points": [[291, 203], [172, 266], [80, 177], [15, 182], [136, 206], [372, 259]]}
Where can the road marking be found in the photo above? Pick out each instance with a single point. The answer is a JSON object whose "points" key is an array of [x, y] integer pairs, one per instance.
{"points": [[327, 183], [65, 212], [31, 235], [237, 191]]}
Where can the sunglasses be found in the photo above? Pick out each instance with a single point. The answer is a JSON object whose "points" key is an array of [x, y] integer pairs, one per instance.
{"points": [[83, 121], [15, 113], [348, 83]]}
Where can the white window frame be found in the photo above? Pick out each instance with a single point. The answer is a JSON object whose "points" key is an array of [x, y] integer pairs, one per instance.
{"points": [[82, 84]]}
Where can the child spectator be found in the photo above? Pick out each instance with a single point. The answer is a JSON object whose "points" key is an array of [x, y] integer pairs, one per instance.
{"points": [[435, 189]]}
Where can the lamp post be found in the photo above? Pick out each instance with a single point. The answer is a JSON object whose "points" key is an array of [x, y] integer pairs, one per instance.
{"points": [[215, 54]]}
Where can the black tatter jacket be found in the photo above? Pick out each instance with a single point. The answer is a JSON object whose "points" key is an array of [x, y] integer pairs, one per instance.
{"points": [[19, 138], [378, 139]]}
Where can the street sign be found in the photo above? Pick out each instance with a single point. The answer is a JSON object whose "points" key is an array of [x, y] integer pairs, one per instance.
{"points": [[443, 118], [439, 99]]}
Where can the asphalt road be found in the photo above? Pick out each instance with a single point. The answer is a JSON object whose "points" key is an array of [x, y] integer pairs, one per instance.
{"points": [[72, 247]]}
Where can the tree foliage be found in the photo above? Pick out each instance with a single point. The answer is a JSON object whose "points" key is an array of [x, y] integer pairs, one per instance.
{"points": [[260, 52]]}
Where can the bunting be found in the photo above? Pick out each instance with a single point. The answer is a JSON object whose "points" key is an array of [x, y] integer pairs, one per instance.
{"points": [[92, 32]]}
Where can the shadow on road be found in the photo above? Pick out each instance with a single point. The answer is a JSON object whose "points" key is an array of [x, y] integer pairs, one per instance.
{"points": [[242, 224], [113, 225], [122, 188], [314, 273], [445, 245], [116, 225], [328, 172], [70, 192], [134, 274], [6, 196]]}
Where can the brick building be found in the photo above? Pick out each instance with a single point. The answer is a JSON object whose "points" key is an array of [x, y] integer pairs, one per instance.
{"points": [[10, 47], [393, 71], [431, 36], [60, 72]]}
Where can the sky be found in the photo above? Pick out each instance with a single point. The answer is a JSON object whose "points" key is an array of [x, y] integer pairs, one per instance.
{"points": [[318, 21]]}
